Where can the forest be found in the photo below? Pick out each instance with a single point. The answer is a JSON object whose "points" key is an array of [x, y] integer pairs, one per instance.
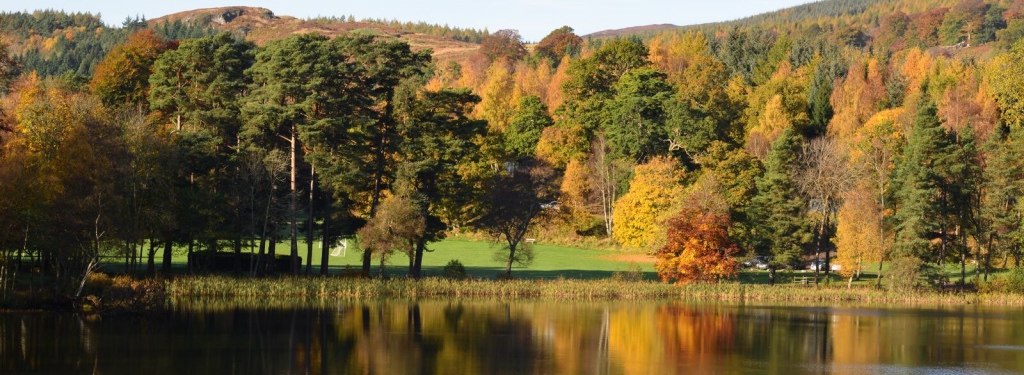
{"points": [[878, 131]]}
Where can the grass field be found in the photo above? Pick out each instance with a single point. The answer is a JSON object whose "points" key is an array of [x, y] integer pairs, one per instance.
{"points": [[551, 262], [478, 258]]}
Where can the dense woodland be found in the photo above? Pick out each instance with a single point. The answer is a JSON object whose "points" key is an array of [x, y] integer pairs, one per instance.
{"points": [[885, 131], [51, 42], [455, 33]]}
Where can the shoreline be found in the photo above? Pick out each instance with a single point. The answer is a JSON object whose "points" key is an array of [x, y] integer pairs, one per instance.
{"points": [[571, 289], [124, 294]]}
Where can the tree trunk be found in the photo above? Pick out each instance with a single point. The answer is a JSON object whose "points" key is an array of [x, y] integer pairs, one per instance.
{"points": [[380, 161], [261, 257], [963, 266], [511, 257], [860, 265], [819, 244], [151, 258], [272, 251], [942, 248], [367, 261], [261, 261], [294, 203], [828, 252], [24, 249], [878, 280], [130, 269], [309, 223], [191, 246], [127, 256], [325, 248], [238, 255], [979, 269], [168, 252], [417, 271], [988, 257]]}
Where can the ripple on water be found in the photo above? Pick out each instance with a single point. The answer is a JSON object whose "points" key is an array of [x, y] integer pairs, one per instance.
{"points": [[904, 370]]}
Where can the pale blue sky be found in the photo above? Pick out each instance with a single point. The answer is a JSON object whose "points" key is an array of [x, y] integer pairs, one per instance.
{"points": [[533, 18]]}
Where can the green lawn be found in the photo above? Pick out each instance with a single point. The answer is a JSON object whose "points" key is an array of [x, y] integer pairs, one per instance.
{"points": [[550, 262], [478, 257]]}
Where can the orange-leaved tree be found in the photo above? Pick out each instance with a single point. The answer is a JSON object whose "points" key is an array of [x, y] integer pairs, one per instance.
{"points": [[698, 248], [122, 78]]}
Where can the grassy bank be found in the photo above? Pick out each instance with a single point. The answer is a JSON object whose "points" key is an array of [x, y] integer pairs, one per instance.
{"points": [[313, 288], [552, 261], [127, 294], [559, 272]]}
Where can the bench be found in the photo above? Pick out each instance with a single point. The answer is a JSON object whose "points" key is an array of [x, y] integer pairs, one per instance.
{"points": [[530, 240], [802, 280]]}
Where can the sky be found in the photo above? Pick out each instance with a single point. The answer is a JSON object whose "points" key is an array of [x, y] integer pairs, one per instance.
{"points": [[533, 18]]}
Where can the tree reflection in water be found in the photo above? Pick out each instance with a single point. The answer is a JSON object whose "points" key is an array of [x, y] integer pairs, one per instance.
{"points": [[512, 337]]}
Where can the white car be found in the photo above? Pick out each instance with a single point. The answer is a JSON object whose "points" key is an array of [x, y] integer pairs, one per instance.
{"points": [[819, 265]]}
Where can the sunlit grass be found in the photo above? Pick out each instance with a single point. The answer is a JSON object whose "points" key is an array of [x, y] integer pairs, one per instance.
{"points": [[562, 272], [432, 287], [551, 261]]}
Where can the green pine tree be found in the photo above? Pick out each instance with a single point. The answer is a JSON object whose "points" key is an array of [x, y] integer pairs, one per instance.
{"points": [[778, 206], [918, 186]]}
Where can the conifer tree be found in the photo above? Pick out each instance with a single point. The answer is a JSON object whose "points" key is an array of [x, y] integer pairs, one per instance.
{"points": [[778, 207], [302, 85], [917, 185], [1003, 186]]}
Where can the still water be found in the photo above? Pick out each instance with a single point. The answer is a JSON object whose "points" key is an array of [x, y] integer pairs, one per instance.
{"points": [[518, 337]]}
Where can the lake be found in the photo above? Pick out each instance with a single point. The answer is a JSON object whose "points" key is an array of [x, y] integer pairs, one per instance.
{"points": [[516, 337]]}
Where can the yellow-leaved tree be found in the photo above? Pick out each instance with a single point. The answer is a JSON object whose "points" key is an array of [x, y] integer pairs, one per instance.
{"points": [[859, 236], [498, 102], [639, 216], [777, 105], [575, 190]]}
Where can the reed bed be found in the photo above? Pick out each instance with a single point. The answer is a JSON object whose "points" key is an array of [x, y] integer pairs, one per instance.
{"points": [[333, 287]]}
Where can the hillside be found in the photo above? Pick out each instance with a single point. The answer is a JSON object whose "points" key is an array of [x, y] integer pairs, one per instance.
{"points": [[261, 25], [632, 30]]}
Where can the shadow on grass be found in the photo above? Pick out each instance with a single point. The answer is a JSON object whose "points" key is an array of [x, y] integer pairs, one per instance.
{"points": [[788, 276], [495, 272]]}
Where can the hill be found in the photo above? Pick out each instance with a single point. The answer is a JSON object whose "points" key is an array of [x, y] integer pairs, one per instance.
{"points": [[632, 30], [261, 25]]}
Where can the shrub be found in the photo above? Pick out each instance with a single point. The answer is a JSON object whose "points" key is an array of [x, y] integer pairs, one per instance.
{"points": [[127, 293], [903, 274], [1015, 281], [633, 273], [97, 283], [454, 270]]}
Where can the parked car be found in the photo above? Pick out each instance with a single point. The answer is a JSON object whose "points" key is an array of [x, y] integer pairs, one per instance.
{"points": [[749, 262], [760, 262], [819, 265]]}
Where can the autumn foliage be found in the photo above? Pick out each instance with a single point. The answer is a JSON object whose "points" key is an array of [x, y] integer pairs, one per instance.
{"points": [[698, 249], [122, 78]]}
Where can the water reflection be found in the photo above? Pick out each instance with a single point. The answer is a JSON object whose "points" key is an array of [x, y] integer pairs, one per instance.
{"points": [[515, 337]]}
